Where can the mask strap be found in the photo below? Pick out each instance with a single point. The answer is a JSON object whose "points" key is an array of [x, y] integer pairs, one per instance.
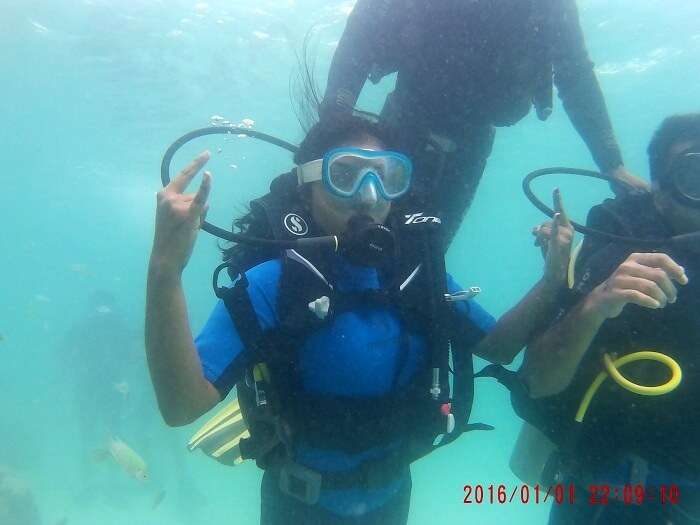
{"points": [[311, 171]]}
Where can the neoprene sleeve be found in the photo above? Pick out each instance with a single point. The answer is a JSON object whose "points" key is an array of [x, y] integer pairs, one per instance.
{"points": [[579, 89], [353, 58]]}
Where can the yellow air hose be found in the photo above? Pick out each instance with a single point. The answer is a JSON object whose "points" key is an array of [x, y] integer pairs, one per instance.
{"points": [[611, 369], [571, 270]]}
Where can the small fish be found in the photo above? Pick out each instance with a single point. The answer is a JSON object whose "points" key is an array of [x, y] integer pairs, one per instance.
{"points": [[261, 35], [42, 298], [2, 338], [158, 499], [39, 27], [122, 388], [103, 309], [124, 456], [62, 521], [233, 166]]}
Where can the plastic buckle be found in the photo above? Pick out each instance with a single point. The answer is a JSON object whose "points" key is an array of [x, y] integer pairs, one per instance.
{"points": [[300, 482], [260, 397], [260, 374]]}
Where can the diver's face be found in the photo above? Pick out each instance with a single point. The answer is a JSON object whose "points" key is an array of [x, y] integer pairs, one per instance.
{"points": [[332, 212], [682, 217]]}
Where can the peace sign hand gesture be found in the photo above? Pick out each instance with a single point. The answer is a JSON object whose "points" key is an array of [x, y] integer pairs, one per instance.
{"points": [[179, 216]]}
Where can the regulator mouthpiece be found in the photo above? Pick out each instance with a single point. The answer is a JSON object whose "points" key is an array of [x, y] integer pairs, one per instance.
{"points": [[367, 243]]}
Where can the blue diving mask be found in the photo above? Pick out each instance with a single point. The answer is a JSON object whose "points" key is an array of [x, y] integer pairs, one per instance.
{"points": [[344, 171]]}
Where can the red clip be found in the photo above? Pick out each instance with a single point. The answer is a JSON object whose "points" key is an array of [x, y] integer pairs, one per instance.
{"points": [[446, 409]]}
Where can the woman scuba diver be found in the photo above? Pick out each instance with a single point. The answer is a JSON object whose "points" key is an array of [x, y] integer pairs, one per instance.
{"points": [[340, 359]]}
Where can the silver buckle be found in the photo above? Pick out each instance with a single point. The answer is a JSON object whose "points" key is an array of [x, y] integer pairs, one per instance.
{"points": [[463, 295]]}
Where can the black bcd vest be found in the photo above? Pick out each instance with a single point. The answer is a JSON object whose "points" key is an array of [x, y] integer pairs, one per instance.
{"points": [[276, 408]]}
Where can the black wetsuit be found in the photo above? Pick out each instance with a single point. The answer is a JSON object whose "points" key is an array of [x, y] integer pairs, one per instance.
{"points": [[662, 430], [465, 67]]}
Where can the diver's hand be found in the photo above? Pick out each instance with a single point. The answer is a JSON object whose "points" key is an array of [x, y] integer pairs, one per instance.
{"points": [[644, 279], [179, 217], [554, 238], [625, 182]]}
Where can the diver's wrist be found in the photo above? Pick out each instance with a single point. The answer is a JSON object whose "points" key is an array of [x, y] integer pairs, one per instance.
{"points": [[162, 269], [549, 288], [591, 311], [616, 172]]}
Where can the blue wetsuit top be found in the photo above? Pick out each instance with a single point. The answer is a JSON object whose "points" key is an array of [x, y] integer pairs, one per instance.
{"points": [[355, 355]]}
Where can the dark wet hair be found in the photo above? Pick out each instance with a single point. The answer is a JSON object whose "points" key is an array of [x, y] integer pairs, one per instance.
{"points": [[325, 129], [337, 128], [674, 129], [327, 125]]}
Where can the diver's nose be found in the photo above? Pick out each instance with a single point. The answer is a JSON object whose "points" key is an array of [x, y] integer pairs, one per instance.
{"points": [[367, 194]]}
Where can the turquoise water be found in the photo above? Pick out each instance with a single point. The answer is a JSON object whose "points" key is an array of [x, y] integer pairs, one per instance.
{"points": [[91, 94]]}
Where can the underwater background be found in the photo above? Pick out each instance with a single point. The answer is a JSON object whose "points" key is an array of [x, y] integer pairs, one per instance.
{"points": [[92, 92]]}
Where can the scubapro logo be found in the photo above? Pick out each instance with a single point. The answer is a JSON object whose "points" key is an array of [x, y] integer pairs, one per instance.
{"points": [[295, 224], [419, 218]]}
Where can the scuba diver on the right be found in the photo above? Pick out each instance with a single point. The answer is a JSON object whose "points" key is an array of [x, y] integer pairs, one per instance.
{"points": [[631, 447]]}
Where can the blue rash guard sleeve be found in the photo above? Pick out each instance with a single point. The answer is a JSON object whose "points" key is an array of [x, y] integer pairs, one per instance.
{"points": [[479, 321], [220, 348]]}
